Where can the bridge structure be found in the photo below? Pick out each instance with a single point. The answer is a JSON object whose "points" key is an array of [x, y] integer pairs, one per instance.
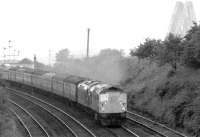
{"points": [[182, 18]]}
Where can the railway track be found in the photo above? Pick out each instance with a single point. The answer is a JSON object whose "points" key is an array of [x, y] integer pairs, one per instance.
{"points": [[130, 131], [78, 129], [24, 128], [141, 130], [151, 127], [100, 132], [122, 132], [155, 127], [33, 127], [55, 126]]}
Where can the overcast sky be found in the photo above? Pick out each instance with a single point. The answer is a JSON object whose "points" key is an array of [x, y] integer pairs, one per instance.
{"points": [[37, 26]]}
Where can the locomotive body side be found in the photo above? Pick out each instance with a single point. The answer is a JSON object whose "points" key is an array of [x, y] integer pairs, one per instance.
{"points": [[70, 87], [86, 97]]}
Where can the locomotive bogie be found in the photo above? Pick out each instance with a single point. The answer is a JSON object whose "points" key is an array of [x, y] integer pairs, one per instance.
{"points": [[112, 119]]}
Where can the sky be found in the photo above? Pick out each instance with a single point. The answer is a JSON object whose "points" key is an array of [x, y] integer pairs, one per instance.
{"points": [[37, 26]]}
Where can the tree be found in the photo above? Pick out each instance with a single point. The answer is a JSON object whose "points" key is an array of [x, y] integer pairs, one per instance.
{"points": [[25, 61], [193, 30], [62, 55], [110, 53], [192, 47], [148, 49], [171, 51]]}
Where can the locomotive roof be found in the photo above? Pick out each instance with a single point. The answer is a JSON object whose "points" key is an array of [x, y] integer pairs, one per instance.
{"points": [[87, 84], [97, 86]]}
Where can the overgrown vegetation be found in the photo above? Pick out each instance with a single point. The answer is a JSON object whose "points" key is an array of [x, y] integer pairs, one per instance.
{"points": [[173, 50], [168, 86]]}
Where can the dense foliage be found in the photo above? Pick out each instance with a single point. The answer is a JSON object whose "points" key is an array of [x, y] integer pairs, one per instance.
{"points": [[173, 50], [148, 49], [154, 88], [192, 47], [62, 55]]}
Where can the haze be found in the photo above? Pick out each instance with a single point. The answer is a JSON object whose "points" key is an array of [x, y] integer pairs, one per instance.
{"points": [[35, 27]]}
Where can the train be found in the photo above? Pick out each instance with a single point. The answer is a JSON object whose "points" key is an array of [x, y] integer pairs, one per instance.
{"points": [[107, 103]]}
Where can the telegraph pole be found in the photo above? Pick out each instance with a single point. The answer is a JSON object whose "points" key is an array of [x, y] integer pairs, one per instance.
{"points": [[9, 46], [35, 63], [4, 55], [50, 58], [15, 54], [88, 39]]}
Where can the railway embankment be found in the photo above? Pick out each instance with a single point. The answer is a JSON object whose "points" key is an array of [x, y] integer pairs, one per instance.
{"points": [[8, 127], [164, 95]]}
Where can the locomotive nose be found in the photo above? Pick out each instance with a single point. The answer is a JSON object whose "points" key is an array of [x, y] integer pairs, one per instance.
{"points": [[114, 103]]}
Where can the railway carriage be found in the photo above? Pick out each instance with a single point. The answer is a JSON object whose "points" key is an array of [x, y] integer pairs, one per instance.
{"points": [[12, 74], [65, 85], [27, 76], [47, 81], [70, 87], [37, 80], [4, 73], [58, 85]]}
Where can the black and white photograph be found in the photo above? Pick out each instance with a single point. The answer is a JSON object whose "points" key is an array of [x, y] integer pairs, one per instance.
{"points": [[99, 68]]}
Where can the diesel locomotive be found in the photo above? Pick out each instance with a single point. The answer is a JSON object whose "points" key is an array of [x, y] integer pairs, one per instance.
{"points": [[106, 103]]}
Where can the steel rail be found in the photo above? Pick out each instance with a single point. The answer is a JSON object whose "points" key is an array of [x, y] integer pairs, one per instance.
{"points": [[22, 122], [156, 123], [145, 126], [56, 117], [58, 109], [128, 130], [46, 133]]}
